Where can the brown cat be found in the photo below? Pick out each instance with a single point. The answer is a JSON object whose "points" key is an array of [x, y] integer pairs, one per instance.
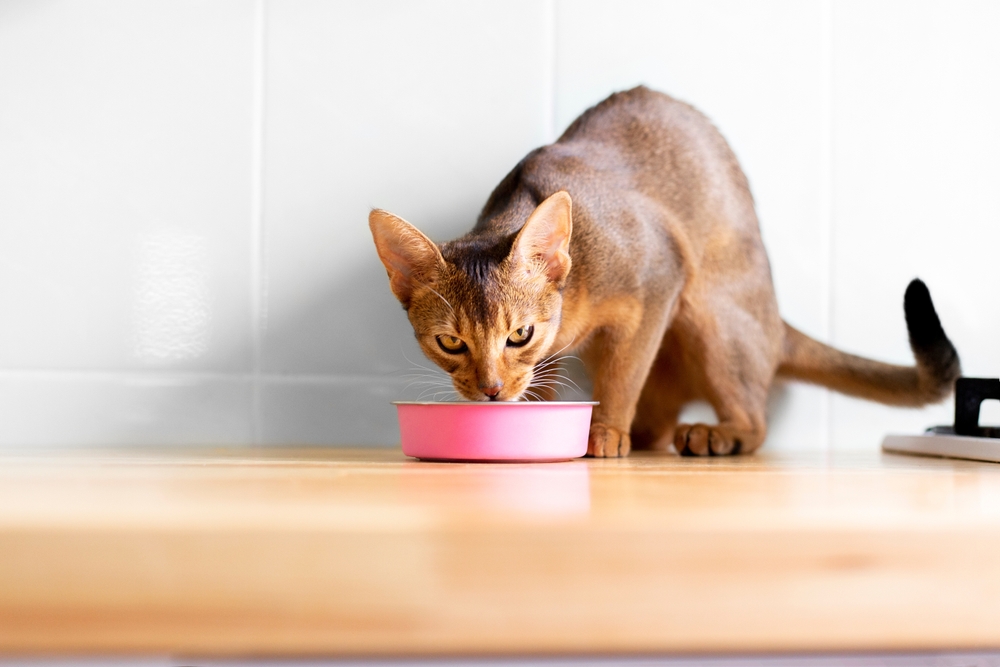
{"points": [[633, 239]]}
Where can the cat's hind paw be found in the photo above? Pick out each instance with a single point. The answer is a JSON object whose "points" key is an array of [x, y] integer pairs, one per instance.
{"points": [[607, 442], [705, 440]]}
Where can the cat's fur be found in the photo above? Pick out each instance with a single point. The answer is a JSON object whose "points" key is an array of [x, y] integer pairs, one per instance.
{"points": [[633, 240]]}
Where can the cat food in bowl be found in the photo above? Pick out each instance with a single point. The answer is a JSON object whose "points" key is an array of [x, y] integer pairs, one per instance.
{"points": [[495, 430]]}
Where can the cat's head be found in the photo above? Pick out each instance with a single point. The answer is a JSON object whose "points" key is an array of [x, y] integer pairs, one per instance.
{"points": [[485, 307]]}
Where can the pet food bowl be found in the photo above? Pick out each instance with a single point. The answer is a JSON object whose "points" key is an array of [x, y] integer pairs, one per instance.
{"points": [[495, 430]]}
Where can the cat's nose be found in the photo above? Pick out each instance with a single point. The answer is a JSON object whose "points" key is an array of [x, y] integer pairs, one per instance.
{"points": [[492, 392]]}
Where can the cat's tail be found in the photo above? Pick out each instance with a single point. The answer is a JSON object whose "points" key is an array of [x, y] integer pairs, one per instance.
{"points": [[931, 380]]}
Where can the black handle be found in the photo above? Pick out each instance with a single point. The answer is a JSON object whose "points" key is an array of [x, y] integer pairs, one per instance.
{"points": [[969, 395]]}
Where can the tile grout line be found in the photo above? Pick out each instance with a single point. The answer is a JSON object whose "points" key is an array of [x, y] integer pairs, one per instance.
{"points": [[826, 196], [257, 290], [146, 376], [550, 63]]}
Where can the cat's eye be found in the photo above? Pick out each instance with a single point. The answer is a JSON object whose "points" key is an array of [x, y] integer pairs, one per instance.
{"points": [[521, 336], [451, 344]]}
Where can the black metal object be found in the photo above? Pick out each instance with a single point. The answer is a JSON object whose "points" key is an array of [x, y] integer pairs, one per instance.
{"points": [[969, 396]]}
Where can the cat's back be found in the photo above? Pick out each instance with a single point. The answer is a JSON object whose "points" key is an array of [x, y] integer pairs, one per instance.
{"points": [[648, 141], [628, 115], [636, 147], [641, 122]]}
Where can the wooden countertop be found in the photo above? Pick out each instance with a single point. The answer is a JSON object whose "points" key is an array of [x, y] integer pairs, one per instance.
{"points": [[351, 552]]}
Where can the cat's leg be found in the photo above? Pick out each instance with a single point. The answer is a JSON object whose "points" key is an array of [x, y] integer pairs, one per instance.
{"points": [[734, 375], [619, 360], [654, 425], [662, 398], [739, 431]]}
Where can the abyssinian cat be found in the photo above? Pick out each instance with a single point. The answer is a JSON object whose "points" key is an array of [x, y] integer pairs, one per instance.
{"points": [[633, 240]]}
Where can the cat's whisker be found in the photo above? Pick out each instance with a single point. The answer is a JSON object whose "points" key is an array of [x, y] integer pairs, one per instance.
{"points": [[534, 395], [554, 387], [564, 347], [570, 356], [411, 361], [546, 363], [551, 370], [554, 357], [426, 383], [550, 385], [539, 378], [433, 394], [422, 371], [556, 383], [429, 374], [424, 379], [552, 364], [425, 386], [419, 377], [550, 382], [431, 382], [442, 387], [427, 378]]}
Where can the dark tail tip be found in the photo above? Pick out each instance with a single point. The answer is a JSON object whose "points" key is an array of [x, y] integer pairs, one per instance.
{"points": [[930, 344], [922, 320]]}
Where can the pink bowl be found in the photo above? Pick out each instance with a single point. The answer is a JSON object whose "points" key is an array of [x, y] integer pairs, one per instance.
{"points": [[495, 431]]}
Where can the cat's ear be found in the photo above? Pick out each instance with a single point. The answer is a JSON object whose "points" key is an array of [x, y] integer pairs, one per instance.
{"points": [[409, 256], [543, 242]]}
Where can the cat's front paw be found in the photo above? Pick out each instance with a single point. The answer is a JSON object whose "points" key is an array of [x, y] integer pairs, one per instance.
{"points": [[705, 440], [607, 442]]}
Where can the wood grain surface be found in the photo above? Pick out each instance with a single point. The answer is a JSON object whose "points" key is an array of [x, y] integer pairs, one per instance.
{"points": [[363, 552]]}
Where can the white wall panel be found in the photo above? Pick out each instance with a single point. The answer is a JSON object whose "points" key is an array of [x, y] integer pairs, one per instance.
{"points": [[916, 167], [416, 107], [343, 410], [67, 409], [125, 140]]}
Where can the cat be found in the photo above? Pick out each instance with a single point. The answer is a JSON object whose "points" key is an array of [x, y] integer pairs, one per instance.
{"points": [[633, 240]]}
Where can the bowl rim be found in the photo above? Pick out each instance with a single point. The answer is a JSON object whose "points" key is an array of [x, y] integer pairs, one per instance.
{"points": [[497, 403]]}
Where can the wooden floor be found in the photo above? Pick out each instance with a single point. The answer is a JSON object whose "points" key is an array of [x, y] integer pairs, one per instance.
{"points": [[272, 552]]}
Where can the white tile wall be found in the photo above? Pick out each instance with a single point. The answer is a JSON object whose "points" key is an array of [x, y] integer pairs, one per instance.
{"points": [[58, 408], [363, 110], [125, 144], [916, 150], [184, 187]]}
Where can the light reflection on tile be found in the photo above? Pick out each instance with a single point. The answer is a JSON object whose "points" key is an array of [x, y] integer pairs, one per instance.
{"points": [[172, 314], [121, 120]]}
